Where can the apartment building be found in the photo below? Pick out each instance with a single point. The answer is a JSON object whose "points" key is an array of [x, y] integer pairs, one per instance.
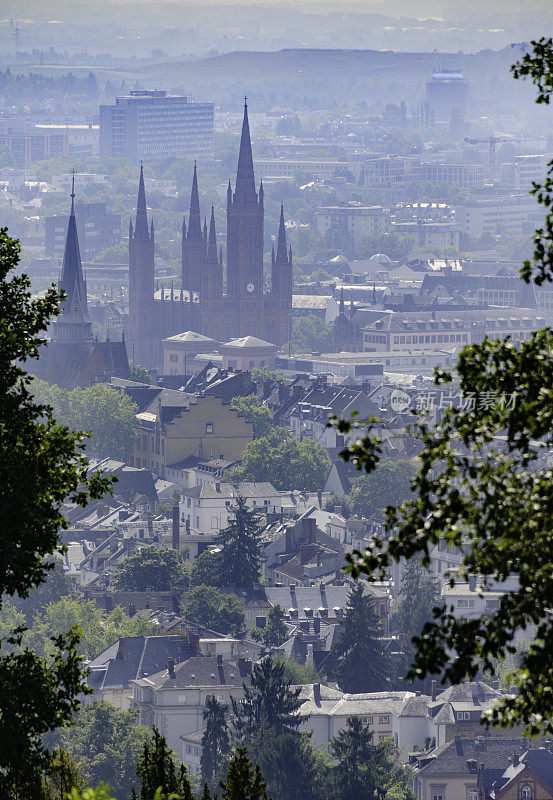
{"points": [[359, 222]]}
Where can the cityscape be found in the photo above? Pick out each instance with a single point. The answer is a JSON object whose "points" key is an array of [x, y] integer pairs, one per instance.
{"points": [[276, 422]]}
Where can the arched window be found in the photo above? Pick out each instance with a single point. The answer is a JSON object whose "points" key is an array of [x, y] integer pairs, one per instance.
{"points": [[526, 793]]}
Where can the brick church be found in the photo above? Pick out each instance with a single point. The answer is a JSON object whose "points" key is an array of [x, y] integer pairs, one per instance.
{"points": [[202, 305]]}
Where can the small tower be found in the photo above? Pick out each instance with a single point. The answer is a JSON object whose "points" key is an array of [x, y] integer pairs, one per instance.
{"points": [[193, 242], [142, 315], [281, 272], [73, 326], [212, 285]]}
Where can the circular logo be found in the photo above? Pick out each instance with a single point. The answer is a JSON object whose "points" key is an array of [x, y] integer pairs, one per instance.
{"points": [[250, 287], [399, 400]]}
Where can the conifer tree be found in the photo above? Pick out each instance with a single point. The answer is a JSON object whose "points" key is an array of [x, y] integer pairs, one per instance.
{"points": [[215, 741], [363, 665], [269, 702], [243, 780], [157, 770], [240, 561]]}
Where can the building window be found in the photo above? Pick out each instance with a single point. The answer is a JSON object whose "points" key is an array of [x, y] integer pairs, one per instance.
{"points": [[209, 427], [526, 793], [384, 720], [473, 794], [173, 357]]}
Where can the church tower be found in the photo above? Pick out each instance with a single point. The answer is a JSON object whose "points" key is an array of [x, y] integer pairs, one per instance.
{"points": [[73, 326], [193, 243], [245, 240], [212, 285], [142, 316]]}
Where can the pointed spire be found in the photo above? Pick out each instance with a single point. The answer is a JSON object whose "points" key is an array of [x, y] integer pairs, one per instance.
{"points": [[184, 227], [72, 279], [261, 192], [194, 219], [281, 254], [212, 245], [205, 231], [152, 230], [141, 225], [342, 304], [273, 254], [245, 181], [229, 193], [130, 229]]}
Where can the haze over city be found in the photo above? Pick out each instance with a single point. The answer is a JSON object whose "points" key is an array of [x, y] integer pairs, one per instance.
{"points": [[276, 427]]}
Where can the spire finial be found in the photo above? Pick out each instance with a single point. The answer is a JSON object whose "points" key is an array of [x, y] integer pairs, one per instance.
{"points": [[73, 192]]}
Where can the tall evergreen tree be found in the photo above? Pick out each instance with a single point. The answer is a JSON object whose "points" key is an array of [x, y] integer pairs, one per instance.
{"points": [[365, 770], [363, 665], [269, 702], [418, 595], [215, 741], [157, 770], [243, 780], [240, 561]]}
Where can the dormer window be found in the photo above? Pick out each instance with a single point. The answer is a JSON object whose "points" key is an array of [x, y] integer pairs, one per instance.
{"points": [[526, 793]]}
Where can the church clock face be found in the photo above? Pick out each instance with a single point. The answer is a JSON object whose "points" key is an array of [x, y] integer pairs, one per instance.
{"points": [[250, 287]]}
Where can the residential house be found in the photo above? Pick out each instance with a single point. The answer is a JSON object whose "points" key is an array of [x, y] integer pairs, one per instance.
{"points": [[527, 777], [208, 506], [328, 711], [452, 770], [174, 425], [174, 698]]}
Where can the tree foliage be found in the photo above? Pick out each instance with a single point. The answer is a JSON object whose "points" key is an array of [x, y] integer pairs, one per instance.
{"points": [[311, 334], [364, 769], [389, 484], [284, 461], [107, 744], [275, 631], [363, 665], [101, 409], [483, 488], [98, 629], [215, 741], [252, 410], [152, 568], [41, 465], [240, 547], [159, 772], [207, 606]]}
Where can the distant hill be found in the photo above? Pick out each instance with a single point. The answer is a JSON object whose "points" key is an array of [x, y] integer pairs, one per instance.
{"points": [[316, 74]]}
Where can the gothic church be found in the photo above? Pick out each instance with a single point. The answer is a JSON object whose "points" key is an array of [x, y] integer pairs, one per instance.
{"points": [[201, 304]]}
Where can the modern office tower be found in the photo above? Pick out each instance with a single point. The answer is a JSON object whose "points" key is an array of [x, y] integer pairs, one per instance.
{"points": [[447, 90], [152, 126]]}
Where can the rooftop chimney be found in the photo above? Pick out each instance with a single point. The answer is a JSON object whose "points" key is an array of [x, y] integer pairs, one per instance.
{"points": [[317, 693], [122, 651], [176, 532], [171, 667], [219, 659], [434, 690]]}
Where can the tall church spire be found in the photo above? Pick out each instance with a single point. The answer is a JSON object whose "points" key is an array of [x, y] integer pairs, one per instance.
{"points": [[73, 324], [194, 219], [245, 181], [72, 280], [141, 226], [281, 251], [212, 257]]}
